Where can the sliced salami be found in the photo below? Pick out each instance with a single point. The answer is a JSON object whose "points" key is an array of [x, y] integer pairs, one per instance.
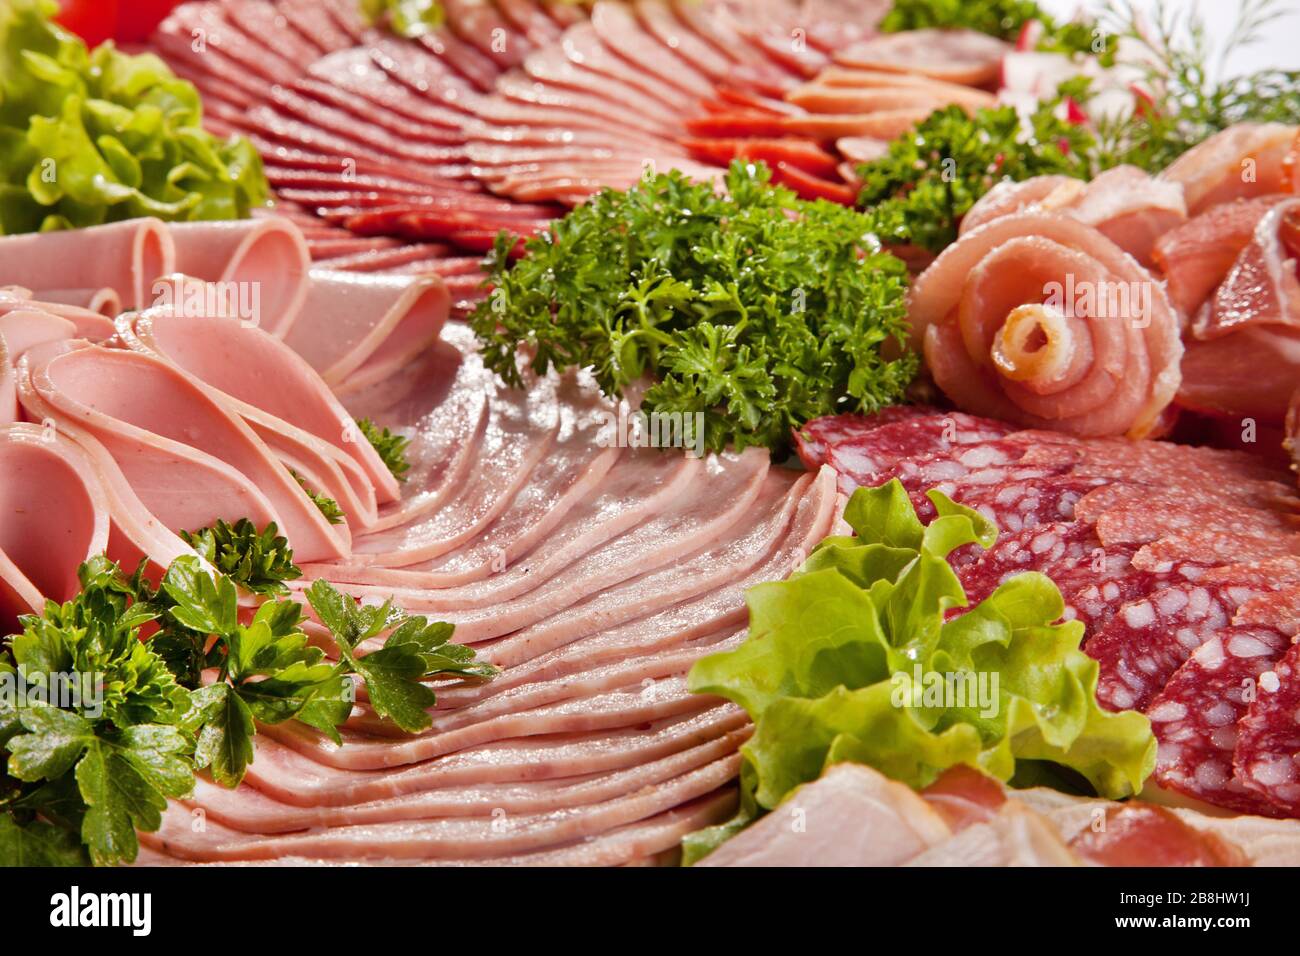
{"points": [[867, 460], [1063, 549], [1267, 755], [1280, 609], [815, 438], [1142, 646], [1186, 493], [1195, 717], [1019, 499], [1143, 521], [1214, 546]]}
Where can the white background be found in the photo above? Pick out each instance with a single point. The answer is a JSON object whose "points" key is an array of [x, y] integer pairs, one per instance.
{"points": [[1280, 48]]}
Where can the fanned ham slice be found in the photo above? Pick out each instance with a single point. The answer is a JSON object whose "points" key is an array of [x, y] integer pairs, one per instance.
{"points": [[106, 301], [189, 459], [54, 515], [957, 56], [1041, 320], [1243, 161], [268, 254], [127, 256], [355, 329]]}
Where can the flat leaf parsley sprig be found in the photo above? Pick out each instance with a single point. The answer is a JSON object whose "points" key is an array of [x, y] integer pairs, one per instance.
{"points": [[81, 772], [753, 307]]}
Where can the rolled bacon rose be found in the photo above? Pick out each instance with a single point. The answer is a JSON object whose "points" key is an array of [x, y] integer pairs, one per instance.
{"points": [[1041, 320], [1125, 204]]}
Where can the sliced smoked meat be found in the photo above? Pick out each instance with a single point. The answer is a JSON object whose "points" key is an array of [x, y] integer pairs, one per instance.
{"points": [[1268, 737]]}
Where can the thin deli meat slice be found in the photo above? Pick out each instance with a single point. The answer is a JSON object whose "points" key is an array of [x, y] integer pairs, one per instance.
{"points": [[1195, 717], [1267, 755], [267, 255], [861, 461], [127, 256], [249, 811], [1212, 171], [54, 514], [1150, 638], [189, 459], [957, 56], [255, 368], [356, 328], [814, 438], [293, 778], [617, 27]]}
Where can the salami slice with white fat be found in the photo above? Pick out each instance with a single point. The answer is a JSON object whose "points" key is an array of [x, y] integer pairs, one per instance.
{"points": [[1267, 755], [1142, 646], [1195, 717], [1018, 499], [868, 460], [815, 438]]}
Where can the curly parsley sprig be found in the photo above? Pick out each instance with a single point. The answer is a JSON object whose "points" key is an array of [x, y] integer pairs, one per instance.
{"points": [[752, 307], [102, 720]]}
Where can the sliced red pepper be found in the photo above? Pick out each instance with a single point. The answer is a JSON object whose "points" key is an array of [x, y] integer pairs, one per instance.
{"points": [[92, 20], [740, 124], [802, 153], [807, 186]]}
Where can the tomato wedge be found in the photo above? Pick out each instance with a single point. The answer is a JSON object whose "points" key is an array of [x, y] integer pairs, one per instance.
{"points": [[93, 20], [136, 19]]}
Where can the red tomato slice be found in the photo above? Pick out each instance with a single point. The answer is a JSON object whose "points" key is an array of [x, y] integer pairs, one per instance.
{"points": [[136, 19], [93, 20]]}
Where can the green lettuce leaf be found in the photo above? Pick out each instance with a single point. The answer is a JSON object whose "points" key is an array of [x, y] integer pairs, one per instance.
{"points": [[89, 137], [856, 658]]}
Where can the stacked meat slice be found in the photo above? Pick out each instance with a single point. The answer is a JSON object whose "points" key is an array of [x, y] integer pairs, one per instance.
{"points": [[1183, 562]]}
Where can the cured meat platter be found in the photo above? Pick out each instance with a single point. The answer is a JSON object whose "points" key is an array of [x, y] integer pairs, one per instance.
{"points": [[569, 433]]}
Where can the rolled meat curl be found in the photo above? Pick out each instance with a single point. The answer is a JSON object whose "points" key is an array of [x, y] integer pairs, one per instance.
{"points": [[1043, 321]]}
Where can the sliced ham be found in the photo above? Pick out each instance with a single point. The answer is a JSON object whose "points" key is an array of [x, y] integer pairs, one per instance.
{"points": [[357, 328], [851, 816], [106, 301], [189, 459], [127, 256], [1016, 324], [54, 514]]}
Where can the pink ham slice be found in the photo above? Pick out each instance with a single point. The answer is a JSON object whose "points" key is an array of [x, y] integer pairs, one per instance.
{"points": [[957, 56], [356, 328], [127, 256], [187, 458], [253, 367], [106, 301], [616, 26], [1242, 162], [268, 253], [999, 346], [54, 515]]}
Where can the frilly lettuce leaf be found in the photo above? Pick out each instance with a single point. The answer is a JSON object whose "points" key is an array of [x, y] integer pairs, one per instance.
{"points": [[93, 137], [853, 659]]}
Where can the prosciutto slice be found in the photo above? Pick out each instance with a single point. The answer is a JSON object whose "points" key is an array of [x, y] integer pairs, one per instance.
{"points": [[53, 516], [1243, 161], [1244, 359], [1043, 321], [127, 256]]}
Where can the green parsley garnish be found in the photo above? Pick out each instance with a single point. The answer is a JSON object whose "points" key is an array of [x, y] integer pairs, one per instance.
{"points": [[754, 308], [81, 771], [258, 561], [327, 505], [391, 448]]}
